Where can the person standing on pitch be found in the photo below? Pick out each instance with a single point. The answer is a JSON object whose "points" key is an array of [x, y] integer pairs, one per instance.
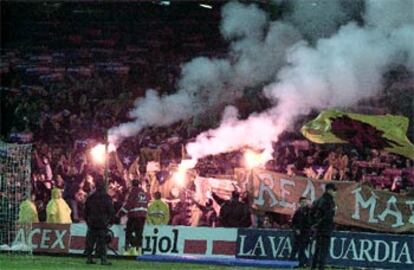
{"points": [[136, 207], [99, 214], [301, 228], [322, 215], [158, 211]]}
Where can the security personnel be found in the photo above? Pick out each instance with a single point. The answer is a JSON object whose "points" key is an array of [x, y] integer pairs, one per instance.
{"points": [[28, 212], [323, 211], [158, 211], [99, 215], [135, 207], [301, 228], [57, 210]]}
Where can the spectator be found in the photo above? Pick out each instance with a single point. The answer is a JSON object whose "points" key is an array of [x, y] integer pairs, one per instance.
{"points": [[208, 214], [233, 213], [181, 210], [72, 183], [267, 222], [41, 210]]}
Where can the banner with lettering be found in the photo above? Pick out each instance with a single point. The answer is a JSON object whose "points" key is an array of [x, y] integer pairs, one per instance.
{"points": [[350, 249], [184, 240], [358, 205], [368, 250], [42, 237], [61, 238], [206, 185]]}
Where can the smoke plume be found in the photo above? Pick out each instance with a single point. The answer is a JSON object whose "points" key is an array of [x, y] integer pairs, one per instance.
{"points": [[257, 52], [321, 18], [336, 71], [320, 54]]}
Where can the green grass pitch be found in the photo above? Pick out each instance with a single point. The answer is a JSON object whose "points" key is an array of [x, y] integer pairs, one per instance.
{"points": [[41, 262]]}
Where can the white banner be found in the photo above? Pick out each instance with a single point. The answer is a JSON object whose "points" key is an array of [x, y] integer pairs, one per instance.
{"points": [[183, 240], [222, 187], [78, 239], [161, 240]]}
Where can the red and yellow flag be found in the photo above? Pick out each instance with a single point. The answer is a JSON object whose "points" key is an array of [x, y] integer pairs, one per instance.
{"points": [[387, 132]]}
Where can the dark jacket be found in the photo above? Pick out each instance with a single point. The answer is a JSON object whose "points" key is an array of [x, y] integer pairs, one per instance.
{"points": [[233, 214], [136, 204], [326, 208], [300, 219], [99, 210], [71, 186]]}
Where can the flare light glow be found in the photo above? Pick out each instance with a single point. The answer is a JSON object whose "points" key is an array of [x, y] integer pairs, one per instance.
{"points": [[180, 176], [99, 154], [254, 159]]}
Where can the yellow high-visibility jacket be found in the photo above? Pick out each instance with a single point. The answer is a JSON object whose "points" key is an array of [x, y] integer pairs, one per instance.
{"points": [[57, 209], [158, 213], [28, 212]]}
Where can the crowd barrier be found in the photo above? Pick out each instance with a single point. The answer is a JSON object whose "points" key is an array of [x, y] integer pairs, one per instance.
{"points": [[348, 249]]}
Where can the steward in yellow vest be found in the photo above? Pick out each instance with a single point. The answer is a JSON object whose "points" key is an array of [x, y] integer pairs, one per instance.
{"points": [[57, 209], [158, 211]]}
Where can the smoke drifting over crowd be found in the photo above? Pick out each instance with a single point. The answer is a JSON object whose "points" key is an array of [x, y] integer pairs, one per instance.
{"points": [[257, 51], [335, 61]]}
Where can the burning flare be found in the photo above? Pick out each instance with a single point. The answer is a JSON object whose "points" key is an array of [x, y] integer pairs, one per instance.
{"points": [[99, 153], [254, 159], [180, 176]]}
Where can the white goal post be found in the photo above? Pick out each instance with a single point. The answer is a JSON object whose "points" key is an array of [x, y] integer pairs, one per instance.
{"points": [[15, 186]]}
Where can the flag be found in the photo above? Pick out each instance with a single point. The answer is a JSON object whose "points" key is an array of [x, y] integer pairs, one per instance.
{"points": [[383, 132]]}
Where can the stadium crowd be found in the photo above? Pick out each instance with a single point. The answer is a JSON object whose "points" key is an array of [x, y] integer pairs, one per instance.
{"points": [[64, 100]]}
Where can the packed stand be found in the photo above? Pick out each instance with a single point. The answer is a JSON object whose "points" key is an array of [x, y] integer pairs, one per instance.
{"points": [[63, 98]]}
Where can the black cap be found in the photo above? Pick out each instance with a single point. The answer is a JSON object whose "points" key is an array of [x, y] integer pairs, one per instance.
{"points": [[330, 186]]}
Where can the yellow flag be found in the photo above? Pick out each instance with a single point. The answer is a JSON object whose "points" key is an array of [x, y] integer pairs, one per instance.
{"points": [[387, 132]]}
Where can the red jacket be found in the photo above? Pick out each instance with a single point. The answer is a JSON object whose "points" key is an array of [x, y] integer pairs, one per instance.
{"points": [[137, 203]]}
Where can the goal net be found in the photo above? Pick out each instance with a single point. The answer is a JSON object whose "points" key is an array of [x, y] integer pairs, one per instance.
{"points": [[15, 186]]}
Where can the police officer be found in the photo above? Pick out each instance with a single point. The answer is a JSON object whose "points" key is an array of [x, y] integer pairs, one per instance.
{"points": [[323, 211], [99, 214], [301, 228], [136, 207]]}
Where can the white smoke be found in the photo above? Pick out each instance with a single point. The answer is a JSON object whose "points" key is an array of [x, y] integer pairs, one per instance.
{"points": [[317, 18], [257, 52], [389, 15], [343, 63], [337, 71], [258, 131], [249, 22]]}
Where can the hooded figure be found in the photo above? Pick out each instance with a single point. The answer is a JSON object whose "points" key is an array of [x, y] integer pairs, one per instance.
{"points": [[28, 212], [57, 209]]}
